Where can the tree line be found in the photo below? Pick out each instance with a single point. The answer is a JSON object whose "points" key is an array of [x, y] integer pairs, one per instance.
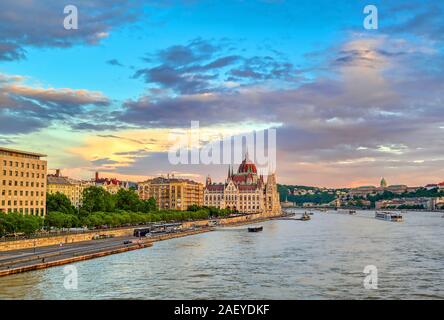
{"points": [[13, 223], [320, 197], [100, 209]]}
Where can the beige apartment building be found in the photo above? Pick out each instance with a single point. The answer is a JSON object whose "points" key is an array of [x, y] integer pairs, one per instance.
{"points": [[110, 185], [172, 193], [72, 189], [22, 182]]}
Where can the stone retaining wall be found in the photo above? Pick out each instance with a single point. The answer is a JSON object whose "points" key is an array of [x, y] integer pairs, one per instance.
{"points": [[53, 240], [248, 218]]}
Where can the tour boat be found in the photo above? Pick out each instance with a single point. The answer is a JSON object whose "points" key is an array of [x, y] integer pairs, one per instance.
{"points": [[255, 229], [389, 216]]}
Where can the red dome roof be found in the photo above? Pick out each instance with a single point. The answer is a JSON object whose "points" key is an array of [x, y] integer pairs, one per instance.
{"points": [[246, 167]]}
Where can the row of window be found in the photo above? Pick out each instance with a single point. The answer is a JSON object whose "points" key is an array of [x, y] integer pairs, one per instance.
{"points": [[233, 203], [231, 198], [249, 208], [23, 174], [16, 183], [22, 193], [32, 166], [20, 203], [33, 211]]}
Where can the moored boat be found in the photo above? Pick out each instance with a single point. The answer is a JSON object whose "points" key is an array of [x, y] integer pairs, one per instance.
{"points": [[389, 216], [255, 229]]}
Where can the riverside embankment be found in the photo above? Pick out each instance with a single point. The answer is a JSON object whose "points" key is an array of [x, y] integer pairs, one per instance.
{"points": [[19, 261], [31, 255], [120, 232]]}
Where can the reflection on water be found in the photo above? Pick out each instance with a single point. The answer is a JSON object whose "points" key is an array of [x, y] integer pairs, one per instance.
{"points": [[320, 259]]}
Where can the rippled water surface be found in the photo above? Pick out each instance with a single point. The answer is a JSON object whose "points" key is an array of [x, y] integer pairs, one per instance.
{"points": [[320, 259]]}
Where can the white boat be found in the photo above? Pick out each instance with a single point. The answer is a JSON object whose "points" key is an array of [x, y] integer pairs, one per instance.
{"points": [[389, 216]]}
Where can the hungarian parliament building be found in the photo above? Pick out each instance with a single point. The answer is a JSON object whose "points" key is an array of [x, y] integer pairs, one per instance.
{"points": [[244, 191]]}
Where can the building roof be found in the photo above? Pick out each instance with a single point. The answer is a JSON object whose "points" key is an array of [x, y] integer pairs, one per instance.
{"points": [[239, 178], [2, 149], [215, 187], [113, 181], [52, 179], [365, 187], [162, 180], [247, 166], [247, 187]]}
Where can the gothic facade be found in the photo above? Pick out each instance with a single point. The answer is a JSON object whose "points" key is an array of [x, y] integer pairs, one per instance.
{"points": [[245, 191]]}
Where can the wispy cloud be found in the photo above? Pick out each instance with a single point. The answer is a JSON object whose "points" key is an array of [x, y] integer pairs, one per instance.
{"points": [[25, 108], [202, 66], [40, 23]]}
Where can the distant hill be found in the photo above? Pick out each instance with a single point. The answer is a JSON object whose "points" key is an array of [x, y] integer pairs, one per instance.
{"points": [[320, 196]]}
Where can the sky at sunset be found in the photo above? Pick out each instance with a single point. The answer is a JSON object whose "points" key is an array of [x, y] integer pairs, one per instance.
{"points": [[349, 105]]}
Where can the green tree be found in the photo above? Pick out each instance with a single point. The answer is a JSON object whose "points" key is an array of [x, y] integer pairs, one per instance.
{"points": [[61, 220], [97, 199], [194, 207], [6, 225], [17, 223], [30, 224], [59, 202], [147, 205], [127, 200]]}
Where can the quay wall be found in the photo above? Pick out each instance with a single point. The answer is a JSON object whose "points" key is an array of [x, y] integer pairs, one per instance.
{"points": [[54, 240], [257, 217]]}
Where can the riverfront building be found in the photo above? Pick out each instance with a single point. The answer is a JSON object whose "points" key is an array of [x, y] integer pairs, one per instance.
{"points": [[417, 203], [72, 189], [22, 182], [244, 191], [172, 193], [111, 185], [364, 191], [438, 186]]}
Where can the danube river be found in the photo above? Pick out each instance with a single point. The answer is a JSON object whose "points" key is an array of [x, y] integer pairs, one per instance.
{"points": [[319, 259]]}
